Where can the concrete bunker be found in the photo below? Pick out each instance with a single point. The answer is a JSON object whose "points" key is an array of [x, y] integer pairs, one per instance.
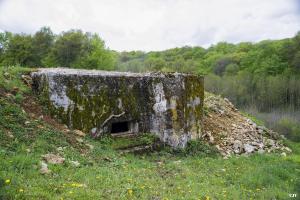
{"points": [[101, 102]]}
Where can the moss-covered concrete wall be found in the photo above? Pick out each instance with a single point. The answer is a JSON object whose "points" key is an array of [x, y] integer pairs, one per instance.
{"points": [[169, 105]]}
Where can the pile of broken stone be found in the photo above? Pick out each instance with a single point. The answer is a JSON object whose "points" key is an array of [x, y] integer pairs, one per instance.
{"points": [[241, 136]]}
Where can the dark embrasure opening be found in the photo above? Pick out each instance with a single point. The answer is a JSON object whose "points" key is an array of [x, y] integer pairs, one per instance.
{"points": [[119, 127]]}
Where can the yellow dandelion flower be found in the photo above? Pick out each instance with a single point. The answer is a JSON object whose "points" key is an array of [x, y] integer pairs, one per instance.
{"points": [[21, 190], [130, 191], [7, 181]]}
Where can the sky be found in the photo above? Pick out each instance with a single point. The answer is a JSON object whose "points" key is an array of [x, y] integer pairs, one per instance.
{"points": [[157, 24]]}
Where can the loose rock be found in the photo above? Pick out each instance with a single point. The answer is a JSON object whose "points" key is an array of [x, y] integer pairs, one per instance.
{"points": [[75, 163], [44, 168], [249, 148], [79, 133], [53, 159]]}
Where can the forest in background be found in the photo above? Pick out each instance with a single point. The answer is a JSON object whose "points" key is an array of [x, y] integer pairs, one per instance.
{"points": [[261, 78]]}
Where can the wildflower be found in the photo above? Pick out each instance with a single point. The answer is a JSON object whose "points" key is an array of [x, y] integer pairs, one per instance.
{"points": [[77, 185], [207, 198], [130, 192], [21, 190], [7, 181], [70, 192]]}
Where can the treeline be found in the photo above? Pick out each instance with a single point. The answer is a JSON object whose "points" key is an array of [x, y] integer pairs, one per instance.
{"points": [[72, 48], [265, 75]]}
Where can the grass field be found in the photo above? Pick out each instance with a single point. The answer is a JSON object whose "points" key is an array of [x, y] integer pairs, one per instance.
{"points": [[106, 174]]}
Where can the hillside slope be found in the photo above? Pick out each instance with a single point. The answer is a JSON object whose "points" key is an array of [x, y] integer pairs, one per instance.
{"points": [[42, 159]]}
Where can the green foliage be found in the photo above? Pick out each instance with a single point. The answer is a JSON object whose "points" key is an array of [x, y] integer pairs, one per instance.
{"points": [[96, 56], [44, 49], [19, 51], [69, 48], [42, 42]]}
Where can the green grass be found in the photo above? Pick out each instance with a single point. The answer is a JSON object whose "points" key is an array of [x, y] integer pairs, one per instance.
{"points": [[106, 174]]}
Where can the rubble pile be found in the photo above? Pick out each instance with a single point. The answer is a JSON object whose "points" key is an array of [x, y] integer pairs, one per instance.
{"points": [[233, 133]]}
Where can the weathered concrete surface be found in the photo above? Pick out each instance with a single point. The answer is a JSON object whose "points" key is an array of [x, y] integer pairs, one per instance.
{"points": [[169, 105]]}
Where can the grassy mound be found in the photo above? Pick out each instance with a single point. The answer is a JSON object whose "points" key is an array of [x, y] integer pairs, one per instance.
{"points": [[104, 173]]}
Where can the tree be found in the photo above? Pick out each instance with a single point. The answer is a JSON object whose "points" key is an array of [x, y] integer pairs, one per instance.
{"points": [[19, 50], [42, 42], [221, 64], [4, 41], [68, 48], [96, 56]]}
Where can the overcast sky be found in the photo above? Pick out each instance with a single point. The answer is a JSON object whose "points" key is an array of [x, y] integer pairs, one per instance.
{"points": [[157, 24]]}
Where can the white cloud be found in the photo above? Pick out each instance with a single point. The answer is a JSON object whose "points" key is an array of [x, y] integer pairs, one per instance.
{"points": [[157, 24]]}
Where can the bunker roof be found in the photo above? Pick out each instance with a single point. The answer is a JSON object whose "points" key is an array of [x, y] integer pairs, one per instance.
{"points": [[88, 72]]}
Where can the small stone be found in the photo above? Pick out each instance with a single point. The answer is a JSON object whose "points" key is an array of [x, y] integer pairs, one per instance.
{"points": [[226, 157], [283, 137], [288, 149], [79, 133], [10, 135], [59, 149], [218, 147], [249, 148], [237, 146], [159, 163], [75, 163], [53, 159], [211, 138], [283, 154], [93, 131], [260, 131], [44, 168], [177, 161], [40, 126], [66, 130], [90, 146], [79, 140], [270, 142]]}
